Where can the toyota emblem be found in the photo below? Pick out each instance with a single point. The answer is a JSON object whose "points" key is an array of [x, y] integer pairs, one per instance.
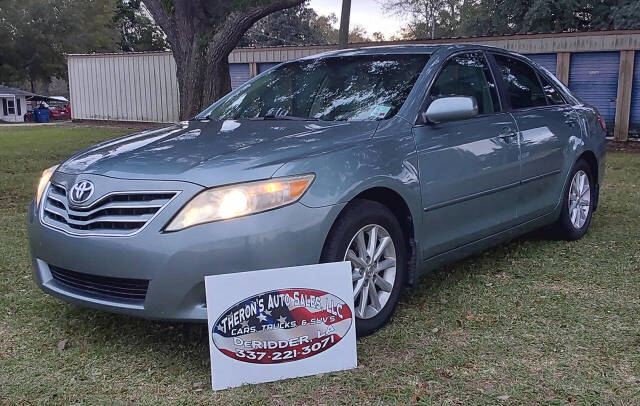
{"points": [[81, 192]]}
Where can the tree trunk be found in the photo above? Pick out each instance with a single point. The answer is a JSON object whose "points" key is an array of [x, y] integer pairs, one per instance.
{"points": [[202, 79], [201, 42], [220, 80]]}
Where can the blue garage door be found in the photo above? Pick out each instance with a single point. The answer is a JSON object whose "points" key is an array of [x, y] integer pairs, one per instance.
{"points": [[266, 66], [594, 77], [548, 61], [239, 73], [634, 124]]}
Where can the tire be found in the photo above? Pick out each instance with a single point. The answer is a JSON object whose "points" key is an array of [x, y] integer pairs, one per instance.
{"points": [[569, 227], [359, 218]]}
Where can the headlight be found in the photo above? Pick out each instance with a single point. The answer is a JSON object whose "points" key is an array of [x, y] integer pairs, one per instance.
{"points": [[228, 202], [42, 184]]}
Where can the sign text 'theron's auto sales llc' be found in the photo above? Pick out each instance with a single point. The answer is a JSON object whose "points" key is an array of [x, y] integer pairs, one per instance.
{"points": [[280, 323]]}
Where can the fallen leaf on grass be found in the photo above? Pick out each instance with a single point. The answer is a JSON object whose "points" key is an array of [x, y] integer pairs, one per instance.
{"points": [[198, 386], [504, 397], [62, 345], [445, 374]]}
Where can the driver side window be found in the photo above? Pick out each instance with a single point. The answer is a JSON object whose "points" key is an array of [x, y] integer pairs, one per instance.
{"points": [[468, 75]]}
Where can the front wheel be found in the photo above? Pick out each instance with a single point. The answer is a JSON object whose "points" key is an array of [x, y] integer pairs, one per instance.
{"points": [[368, 235], [577, 206]]}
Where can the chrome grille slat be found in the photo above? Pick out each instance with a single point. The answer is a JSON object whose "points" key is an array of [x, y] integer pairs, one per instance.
{"points": [[117, 213], [59, 199], [149, 204], [115, 219], [59, 190]]}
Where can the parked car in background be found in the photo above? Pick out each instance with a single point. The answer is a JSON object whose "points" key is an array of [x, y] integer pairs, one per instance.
{"points": [[57, 111], [60, 112], [396, 159]]}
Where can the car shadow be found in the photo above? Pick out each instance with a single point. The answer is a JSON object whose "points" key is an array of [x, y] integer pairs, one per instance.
{"points": [[188, 342], [174, 343], [432, 283]]}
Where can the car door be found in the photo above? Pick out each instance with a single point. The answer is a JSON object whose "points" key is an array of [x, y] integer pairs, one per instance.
{"points": [[546, 122], [469, 169]]}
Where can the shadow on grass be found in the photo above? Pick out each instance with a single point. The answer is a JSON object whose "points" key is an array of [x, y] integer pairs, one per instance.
{"points": [[484, 264], [159, 336], [182, 344]]}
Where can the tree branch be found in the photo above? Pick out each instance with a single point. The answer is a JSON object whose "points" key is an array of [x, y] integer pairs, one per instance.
{"points": [[225, 40], [160, 16]]}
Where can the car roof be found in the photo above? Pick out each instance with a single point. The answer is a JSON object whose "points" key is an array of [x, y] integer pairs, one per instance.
{"points": [[412, 49]]}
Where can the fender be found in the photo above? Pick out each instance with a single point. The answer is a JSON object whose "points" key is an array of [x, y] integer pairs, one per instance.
{"points": [[364, 165]]}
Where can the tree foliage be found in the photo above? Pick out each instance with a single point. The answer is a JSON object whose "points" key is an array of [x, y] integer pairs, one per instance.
{"points": [[301, 25], [137, 30], [37, 33], [446, 18]]}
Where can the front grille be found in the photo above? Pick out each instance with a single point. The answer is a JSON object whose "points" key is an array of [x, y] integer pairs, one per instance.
{"points": [[120, 213], [129, 290]]}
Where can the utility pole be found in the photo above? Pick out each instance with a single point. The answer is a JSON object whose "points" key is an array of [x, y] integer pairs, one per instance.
{"points": [[343, 36]]}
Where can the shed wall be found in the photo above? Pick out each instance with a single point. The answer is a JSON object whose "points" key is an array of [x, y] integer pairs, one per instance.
{"points": [[124, 87]]}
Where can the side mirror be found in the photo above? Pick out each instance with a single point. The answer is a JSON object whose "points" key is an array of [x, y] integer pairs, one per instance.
{"points": [[451, 108]]}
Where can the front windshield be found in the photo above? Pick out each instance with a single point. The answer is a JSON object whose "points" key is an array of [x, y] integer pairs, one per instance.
{"points": [[369, 87]]}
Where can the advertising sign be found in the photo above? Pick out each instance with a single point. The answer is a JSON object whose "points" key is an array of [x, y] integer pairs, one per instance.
{"points": [[280, 323]]}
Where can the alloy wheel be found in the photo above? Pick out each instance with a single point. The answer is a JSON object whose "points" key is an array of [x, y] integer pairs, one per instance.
{"points": [[372, 254], [579, 199]]}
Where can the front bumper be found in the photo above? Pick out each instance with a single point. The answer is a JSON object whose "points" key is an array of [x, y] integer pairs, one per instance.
{"points": [[175, 264]]}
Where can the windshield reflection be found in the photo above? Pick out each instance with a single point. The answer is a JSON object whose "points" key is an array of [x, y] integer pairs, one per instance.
{"points": [[369, 87]]}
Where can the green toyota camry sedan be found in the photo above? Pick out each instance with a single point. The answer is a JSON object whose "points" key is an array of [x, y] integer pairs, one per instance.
{"points": [[397, 159]]}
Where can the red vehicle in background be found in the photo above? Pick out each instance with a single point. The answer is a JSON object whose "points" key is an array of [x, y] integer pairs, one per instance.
{"points": [[60, 112]]}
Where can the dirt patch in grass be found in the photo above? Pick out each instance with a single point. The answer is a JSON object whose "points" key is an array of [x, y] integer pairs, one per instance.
{"points": [[632, 147]]}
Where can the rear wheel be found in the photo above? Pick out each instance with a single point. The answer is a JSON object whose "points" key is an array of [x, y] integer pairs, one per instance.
{"points": [[368, 235], [577, 206]]}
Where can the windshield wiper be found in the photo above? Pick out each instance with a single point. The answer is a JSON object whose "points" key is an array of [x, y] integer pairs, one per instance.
{"points": [[202, 118], [283, 117]]}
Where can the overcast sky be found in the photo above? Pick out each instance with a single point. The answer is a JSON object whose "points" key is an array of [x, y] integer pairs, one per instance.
{"points": [[366, 13]]}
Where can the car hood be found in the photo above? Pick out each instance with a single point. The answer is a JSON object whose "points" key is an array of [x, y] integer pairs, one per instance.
{"points": [[212, 153]]}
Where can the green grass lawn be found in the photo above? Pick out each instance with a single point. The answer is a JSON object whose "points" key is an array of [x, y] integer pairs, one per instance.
{"points": [[532, 321]]}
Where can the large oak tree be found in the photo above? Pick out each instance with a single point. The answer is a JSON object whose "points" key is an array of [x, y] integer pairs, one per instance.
{"points": [[202, 34]]}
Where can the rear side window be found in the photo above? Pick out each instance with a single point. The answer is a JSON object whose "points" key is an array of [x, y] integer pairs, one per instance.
{"points": [[553, 94], [468, 75], [523, 87]]}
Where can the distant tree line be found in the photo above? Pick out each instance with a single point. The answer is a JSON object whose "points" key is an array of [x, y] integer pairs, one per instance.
{"points": [[301, 25], [451, 18], [36, 34]]}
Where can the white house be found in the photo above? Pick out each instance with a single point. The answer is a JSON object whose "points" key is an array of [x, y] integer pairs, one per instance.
{"points": [[13, 104]]}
